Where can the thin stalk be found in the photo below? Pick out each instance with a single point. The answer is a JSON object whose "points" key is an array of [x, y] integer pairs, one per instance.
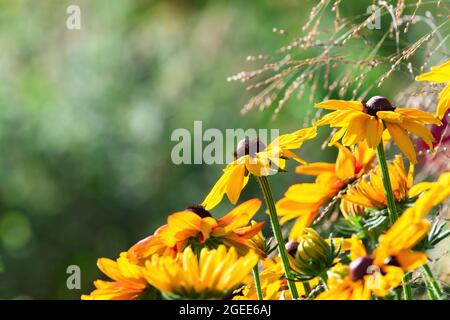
{"points": [[324, 278], [381, 157], [407, 292], [257, 283], [276, 229], [392, 209], [432, 285], [430, 293], [306, 287]]}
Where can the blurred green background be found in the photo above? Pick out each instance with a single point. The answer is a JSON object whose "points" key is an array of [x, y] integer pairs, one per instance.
{"points": [[86, 118]]}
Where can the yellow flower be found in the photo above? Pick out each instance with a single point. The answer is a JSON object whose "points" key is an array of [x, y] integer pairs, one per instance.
{"points": [[435, 193], [252, 157], [195, 226], [341, 287], [440, 73], [273, 283], [129, 282], [303, 201], [212, 274], [368, 192], [366, 121], [384, 269]]}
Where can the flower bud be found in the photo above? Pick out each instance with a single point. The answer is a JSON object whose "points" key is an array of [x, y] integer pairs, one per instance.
{"points": [[350, 209], [314, 254]]}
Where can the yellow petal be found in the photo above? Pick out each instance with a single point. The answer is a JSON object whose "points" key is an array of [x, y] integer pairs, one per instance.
{"points": [[220, 188], [444, 102], [337, 136], [345, 163], [410, 260], [419, 188], [357, 248], [439, 73], [375, 128], [314, 169], [236, 183], [418, 116], [402, 140], [356, 130], [249, 208], [419, 130], [390, 116]]}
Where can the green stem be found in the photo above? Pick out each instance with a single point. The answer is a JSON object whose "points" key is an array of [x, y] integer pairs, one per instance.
{"points": [[381, 157], [430, 293], [407, 292], [432, 285], [257, 283], [265, 188], [306, 288], [324, 278], [392, 209]]}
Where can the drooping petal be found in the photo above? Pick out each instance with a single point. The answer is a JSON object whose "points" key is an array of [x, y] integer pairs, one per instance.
{"points": [[356, 130], [403, 141], [375, 128], [220, 188], [418, 116], [337, 136], [236, 183], [345, 163], [419, 130], [444, 102]]}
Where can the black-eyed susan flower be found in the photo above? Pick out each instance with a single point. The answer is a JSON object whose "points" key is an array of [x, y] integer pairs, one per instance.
{"points": [[128, 281], [253, 158], [440, 74], [198, 228], [303, 201], [384, 269], [212, 274], [368, 120], [368, 192]]}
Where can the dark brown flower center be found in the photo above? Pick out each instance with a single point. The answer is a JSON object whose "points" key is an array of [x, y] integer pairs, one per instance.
{"points": [[248, 146], [199, 210], [392, 261], [291, 247], [360, 267], [375, 104]]}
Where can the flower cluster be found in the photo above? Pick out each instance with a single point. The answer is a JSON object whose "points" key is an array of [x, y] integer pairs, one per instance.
{"points": [[361, 230]]}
